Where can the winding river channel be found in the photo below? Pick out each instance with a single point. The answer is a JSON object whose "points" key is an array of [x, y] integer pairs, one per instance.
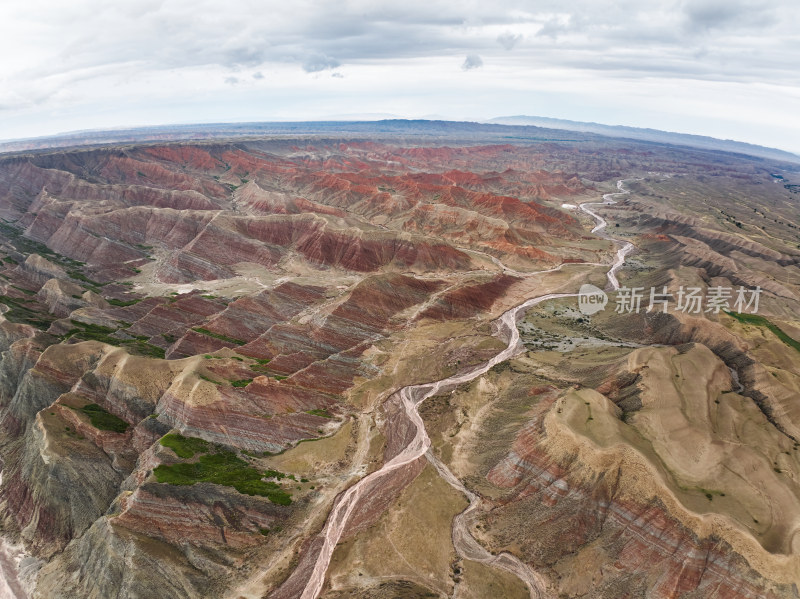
{"points": [[411, 397]]}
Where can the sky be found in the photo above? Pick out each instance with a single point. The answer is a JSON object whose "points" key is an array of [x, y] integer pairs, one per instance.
{"points": [[725, 68]]}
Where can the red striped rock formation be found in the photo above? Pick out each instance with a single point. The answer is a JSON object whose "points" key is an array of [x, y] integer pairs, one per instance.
{"points": [[469, 300], [209, 515]]}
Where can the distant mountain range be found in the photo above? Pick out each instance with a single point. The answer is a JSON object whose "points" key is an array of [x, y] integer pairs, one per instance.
{"points": [[512, 128], [654, 135]]}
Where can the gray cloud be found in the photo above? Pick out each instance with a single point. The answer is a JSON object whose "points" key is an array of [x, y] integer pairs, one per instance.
{"points": [[319, 62], [175, 34], [75, 53], [472, 61], [508, 40], [706, 15]]}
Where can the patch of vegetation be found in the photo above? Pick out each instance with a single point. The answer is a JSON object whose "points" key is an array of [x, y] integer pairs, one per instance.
{"points": [[760, 321], [260, 366], [241, 382], [169, 338], [92, 332], [148, 350], [9, 260], [219, 336], [223, 468], [22, 314], [123, 303], [79, 276], [184, 447], [96, 332], [73, 434], [210, 380], [104, 420], [280, 377], [319, 412], [23, 290]]}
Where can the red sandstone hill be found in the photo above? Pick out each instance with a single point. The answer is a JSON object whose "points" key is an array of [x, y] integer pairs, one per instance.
{"points": [[372, 202]]}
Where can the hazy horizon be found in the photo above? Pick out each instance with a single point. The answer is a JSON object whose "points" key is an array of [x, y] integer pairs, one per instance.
{"points": [[368, 118]]}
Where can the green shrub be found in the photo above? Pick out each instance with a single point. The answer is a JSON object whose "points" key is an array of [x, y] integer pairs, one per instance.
{"points": [[223, 468], [757, 320], [219, 336], [184, 447], [103, 420], [123, 303], [319, 412], [145, 349], [22, 314], [23, 290]]}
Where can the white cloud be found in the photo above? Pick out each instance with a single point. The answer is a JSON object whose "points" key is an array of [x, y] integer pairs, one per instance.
{"points": [[86, 63]]}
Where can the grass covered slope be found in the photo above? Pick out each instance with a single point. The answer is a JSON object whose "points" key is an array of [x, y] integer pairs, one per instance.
{"points": [[217, 466], [760, 321], [104, 420]]}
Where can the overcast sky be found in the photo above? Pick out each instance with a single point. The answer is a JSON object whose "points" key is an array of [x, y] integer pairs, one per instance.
{"points": [[726, 68]]}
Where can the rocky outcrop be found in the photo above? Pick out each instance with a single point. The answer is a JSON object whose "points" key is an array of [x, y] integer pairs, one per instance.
{"points": [[39, 270], [208, 515], [149, 568], [267, 416], [62, 297], [55, 485]]}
